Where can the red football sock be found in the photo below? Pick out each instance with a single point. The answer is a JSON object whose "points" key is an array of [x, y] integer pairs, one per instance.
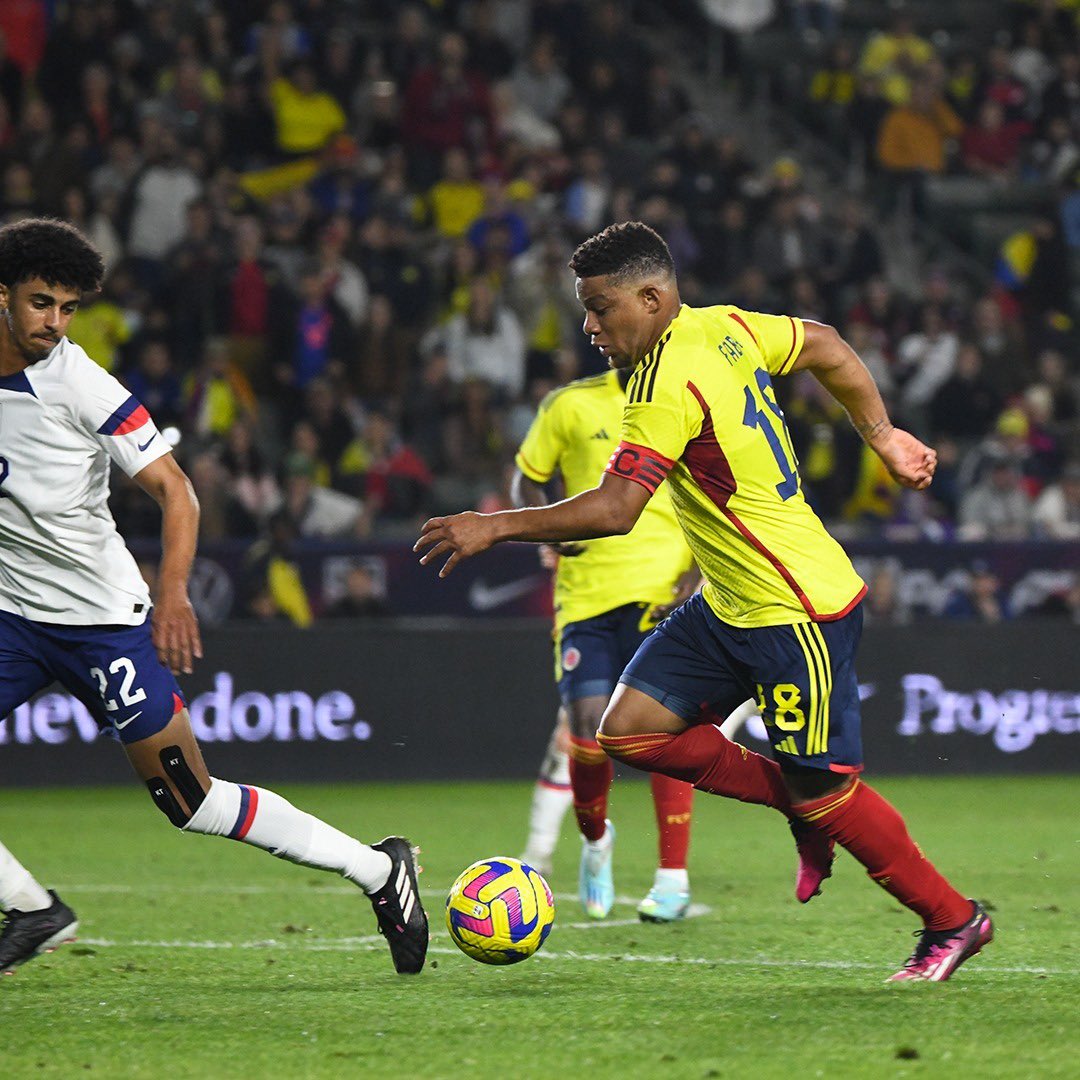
{"points": [[873, 831], [591, 772], [672, 800], [703, 757]]}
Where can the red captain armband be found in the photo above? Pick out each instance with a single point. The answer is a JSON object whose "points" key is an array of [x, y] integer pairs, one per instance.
{"points": [[640, 464]]}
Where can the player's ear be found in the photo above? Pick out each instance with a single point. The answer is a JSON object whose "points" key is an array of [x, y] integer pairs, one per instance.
{"points": [[650, 298], [5, 297]]}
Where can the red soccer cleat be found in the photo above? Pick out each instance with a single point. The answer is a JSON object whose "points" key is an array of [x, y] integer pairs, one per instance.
{"points": [[815, 860], [940, 952]]}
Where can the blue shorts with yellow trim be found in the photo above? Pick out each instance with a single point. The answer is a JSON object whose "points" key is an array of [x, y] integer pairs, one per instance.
{"points": [[803, 677], [590, 655]]}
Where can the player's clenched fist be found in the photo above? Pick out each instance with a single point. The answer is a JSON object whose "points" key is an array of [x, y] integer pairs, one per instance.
{"points": [[462, 535], [909, 461]]}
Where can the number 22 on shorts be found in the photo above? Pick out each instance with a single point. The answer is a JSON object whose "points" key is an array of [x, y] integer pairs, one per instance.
{"points": [[129, 694]]}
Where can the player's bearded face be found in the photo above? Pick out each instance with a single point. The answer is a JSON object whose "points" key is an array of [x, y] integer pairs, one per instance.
{"points": [[36, 316], [617, 321]]}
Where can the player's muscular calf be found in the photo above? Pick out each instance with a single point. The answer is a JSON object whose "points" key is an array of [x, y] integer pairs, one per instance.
{"points": [[172, 766]]}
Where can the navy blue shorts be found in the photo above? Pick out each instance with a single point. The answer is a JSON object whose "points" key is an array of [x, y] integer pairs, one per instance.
{"points": [[113, 670], [803, 677], [590, 655]]}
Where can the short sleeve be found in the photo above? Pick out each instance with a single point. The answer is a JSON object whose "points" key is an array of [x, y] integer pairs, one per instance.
{"points": [[660, 417], [544, 443], [780, 338], [117, 419]]}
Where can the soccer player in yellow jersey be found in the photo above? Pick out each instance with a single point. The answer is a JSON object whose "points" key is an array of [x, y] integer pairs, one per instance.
{"points": [[609, 594], [779, 614]]}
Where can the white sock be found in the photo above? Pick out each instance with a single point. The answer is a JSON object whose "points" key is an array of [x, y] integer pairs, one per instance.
{"points": [[18, 889], [551, 799], [671, 880], [736, 719], [266, 820]]}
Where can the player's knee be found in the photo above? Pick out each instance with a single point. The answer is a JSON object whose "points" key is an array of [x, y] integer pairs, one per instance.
{"points": [[178, 779]]}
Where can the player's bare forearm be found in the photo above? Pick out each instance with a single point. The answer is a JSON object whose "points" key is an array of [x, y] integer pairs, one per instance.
{"points": [[175, 629], [608, 510], [525, 492], [838, 368], [835, 364]]}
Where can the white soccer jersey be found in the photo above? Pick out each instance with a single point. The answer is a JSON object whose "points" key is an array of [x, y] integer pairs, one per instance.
{"points": [[61, 557]]}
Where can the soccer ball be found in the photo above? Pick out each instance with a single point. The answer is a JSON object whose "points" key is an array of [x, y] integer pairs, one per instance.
{"points": [[499, 911]]}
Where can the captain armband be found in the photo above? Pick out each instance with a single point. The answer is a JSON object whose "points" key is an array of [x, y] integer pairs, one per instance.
{"points": [[640, 464]]}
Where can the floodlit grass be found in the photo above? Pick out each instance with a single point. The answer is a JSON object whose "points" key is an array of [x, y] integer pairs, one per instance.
{"points": [[200, 957]]}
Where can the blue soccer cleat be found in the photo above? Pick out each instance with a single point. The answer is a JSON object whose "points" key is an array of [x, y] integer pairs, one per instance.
{"points": [[596, 887], [664, 905]]}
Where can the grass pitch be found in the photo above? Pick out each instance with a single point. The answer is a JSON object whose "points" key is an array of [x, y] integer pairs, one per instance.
{"points": [[198, 957]]}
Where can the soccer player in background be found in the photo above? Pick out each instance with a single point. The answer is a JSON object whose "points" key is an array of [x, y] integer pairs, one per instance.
{"points": [[779, 614], [609, 594], [74, 607]]}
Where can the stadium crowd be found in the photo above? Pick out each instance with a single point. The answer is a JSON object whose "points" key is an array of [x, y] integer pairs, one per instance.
{"points": [[337, 234]]}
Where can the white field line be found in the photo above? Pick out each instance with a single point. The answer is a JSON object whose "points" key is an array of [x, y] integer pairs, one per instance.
{"points": [[310, 890], [376, 944]]}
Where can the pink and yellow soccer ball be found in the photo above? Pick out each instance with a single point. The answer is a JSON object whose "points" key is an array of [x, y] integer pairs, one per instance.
{"points": [[499, 911]]}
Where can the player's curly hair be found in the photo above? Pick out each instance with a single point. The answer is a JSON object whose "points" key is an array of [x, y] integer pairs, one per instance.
{"points": [[625, 251], [49, 249]]}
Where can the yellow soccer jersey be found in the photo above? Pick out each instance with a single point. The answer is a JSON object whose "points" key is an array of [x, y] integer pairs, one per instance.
{"points": [[574, 434], [700, 411]]}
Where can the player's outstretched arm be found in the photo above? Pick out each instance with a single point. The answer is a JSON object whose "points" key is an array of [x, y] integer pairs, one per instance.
{"points": [[837, 367], [608, 510], [175, 628]]}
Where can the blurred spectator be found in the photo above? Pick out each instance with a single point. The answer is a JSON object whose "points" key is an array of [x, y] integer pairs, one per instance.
{"points": [[991, 146], [341, 188], [500, 226], [539, 83], [455, 200], [965, 405], [486, 342], [306, 117], [318, 512], [980, 599], [924, 361], [250, 478], [786, 242], [1056, 513], [913, 143], [446, 106], [397, 479], [896, 56], [342, 277], [155, 383], [997, 506], [883, 606], [100, 327], [312, 336], [361, 599], [160, 199], [272, 585]]}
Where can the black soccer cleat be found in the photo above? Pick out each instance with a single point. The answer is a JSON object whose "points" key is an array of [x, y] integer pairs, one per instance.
{"points": [[26, 934], [402, 919]]}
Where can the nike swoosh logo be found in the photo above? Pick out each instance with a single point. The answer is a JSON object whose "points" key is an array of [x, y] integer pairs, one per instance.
{"points": [[485, 597], [134, 716], [143, 446]]}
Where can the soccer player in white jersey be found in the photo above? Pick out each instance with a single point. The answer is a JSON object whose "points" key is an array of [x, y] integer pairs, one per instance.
{"points": [[74, 608]]}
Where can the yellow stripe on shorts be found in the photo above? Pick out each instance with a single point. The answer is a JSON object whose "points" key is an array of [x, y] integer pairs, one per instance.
{"points": [[813, 709], [826, 697]]}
